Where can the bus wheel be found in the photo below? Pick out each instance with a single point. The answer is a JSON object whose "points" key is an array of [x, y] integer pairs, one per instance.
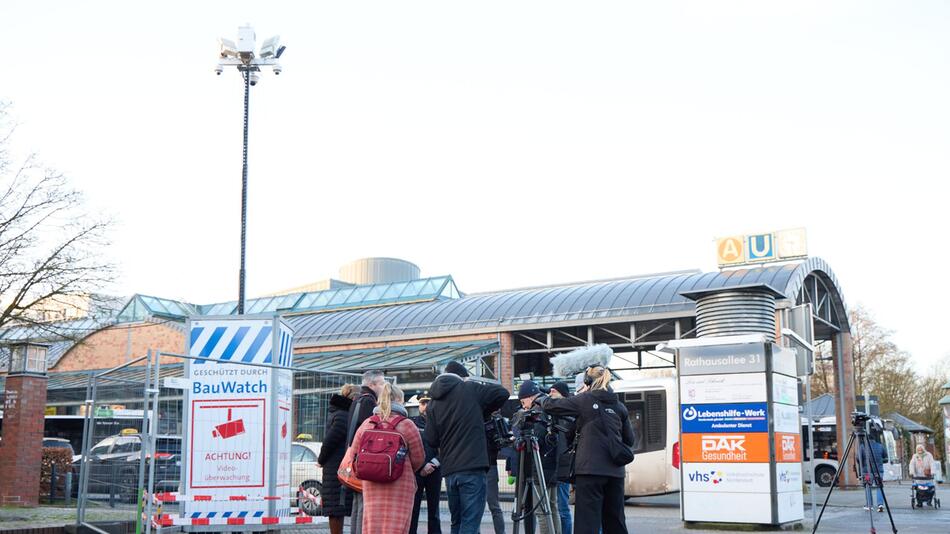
{"points": [[824, 475]]}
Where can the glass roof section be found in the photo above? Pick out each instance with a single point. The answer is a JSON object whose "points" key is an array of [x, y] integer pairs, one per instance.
{"points": [[140, 307], [440, 287]]}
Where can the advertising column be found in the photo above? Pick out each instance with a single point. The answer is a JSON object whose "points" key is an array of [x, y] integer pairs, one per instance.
{"points": [[729, 436], [237, 438]]}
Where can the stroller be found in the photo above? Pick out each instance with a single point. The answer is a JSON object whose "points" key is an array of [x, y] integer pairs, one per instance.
{"points": [[922, 490]]}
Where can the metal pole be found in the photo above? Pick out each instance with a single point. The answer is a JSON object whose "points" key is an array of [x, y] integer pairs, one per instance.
{"points": [[811, 447], [88, 428], [247, 96], [144, 452], [153, 425]]}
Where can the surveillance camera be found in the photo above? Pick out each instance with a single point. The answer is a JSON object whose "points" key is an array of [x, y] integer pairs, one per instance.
{"points": [[255, 77], [278, 69], [218, 70]]}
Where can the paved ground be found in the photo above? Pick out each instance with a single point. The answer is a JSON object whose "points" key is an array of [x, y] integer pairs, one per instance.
{"points": [[48, 516], [844, 515]]}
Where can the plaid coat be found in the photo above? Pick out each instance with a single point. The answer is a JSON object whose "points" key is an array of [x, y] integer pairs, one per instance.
{"points": [[387, 508]]}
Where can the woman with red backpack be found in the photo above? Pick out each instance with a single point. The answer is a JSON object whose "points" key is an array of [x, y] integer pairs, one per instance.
{"points": [[386, 452]]}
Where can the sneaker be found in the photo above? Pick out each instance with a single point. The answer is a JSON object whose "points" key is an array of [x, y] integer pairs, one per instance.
{"points": [[880, 508], [866, 508]]}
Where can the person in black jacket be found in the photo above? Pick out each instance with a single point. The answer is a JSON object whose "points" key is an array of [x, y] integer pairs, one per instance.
{"points": [[528, 393], [337, 498], [361, 410], [455, 427], [565, 458], [598, 482], [428, 479]]}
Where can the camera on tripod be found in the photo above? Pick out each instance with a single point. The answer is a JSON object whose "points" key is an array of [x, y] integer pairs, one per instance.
{"points": [[859, 419]]}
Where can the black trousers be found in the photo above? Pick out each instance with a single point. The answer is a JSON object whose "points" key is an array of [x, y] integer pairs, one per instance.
{"points": [[598, 502], [432, 487]]}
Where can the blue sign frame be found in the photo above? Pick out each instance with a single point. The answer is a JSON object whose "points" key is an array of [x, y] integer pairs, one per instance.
{"points": [[740, 417]]}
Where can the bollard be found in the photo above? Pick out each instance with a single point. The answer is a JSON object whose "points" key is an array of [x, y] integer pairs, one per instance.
{"points": [[52, 484], [68, 487]]}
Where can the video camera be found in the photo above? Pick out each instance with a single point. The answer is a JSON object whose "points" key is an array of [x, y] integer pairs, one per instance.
{"points": [[498, 431], [859, 418]]}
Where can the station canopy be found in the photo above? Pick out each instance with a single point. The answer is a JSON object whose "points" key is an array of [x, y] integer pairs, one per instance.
{"points": [[628, 299]]}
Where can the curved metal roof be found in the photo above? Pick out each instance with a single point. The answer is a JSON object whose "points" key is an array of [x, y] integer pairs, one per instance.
{"points": [[614, 300]]}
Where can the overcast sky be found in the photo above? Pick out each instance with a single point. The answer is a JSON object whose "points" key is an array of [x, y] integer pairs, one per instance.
{"points": [[505, 143]]}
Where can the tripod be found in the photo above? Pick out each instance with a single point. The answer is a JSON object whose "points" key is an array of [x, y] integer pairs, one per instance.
{"points": [[530, 484], [865, 454]]}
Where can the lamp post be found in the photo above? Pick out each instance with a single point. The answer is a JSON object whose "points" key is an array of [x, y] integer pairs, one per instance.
{"points": [[242, 57]]}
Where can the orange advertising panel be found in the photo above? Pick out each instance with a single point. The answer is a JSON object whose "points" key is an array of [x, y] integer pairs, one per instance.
{"points": [[788, 447], [732, 447]]}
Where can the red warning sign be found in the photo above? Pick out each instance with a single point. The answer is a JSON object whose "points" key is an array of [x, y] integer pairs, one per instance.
{"points": [[227, 438]]}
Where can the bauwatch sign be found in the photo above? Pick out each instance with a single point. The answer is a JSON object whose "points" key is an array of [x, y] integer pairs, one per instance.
{"points": [[238, 426]]}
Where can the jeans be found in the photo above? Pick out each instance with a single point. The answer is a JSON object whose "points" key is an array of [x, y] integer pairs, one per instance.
{"points": [[564, 506], [356, 519], [538, 518], [466, 490], [494, 506]]}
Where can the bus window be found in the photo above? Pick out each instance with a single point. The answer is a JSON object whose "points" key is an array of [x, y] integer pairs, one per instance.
{"points": [[647, 412]]}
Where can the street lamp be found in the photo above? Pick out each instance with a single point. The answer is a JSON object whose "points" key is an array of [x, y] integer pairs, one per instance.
{"points": [[27, 358], [241, 56]]}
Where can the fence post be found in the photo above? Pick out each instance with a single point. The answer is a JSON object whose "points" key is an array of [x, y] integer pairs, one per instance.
{"points": [[52, 484], [112, 487], [68, 489]]}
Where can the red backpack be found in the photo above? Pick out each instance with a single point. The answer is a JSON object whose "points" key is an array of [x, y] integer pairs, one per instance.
{"points": [[382, 451]]}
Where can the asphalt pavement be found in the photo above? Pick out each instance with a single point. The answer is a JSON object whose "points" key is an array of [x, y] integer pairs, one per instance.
{"points": [[661, 514]]}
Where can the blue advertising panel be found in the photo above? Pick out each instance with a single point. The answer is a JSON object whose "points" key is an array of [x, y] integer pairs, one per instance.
{"points": [[741, 417]]}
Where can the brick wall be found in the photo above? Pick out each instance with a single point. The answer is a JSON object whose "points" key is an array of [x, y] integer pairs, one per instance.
{"points": [[507, 342], [505, 362], [118, 344], [21, 451]]}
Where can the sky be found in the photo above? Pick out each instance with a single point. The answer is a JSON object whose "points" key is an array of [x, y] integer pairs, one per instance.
{"points": [[506, 143]]}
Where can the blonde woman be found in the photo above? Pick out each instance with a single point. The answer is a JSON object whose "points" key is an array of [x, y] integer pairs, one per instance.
{"points": [[387, 507], [603, 427]]}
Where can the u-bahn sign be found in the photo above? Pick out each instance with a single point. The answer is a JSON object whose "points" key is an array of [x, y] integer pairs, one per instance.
{"points": [[761, 248], [238, 428]]}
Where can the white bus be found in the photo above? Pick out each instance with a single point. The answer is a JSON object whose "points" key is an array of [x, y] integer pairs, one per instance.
{"points": [[652, 403]]}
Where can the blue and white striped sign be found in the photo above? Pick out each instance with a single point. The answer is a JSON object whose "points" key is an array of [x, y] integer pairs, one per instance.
{"points": [[239, 419], [240, 341]]}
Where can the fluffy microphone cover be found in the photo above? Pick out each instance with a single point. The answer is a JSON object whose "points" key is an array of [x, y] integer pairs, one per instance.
{"points": [[571, 363]]}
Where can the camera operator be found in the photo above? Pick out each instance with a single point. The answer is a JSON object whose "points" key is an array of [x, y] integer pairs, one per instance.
{"points": [[604, 447], [455, 427], [565, 427], [531, 418], [870, 464]]}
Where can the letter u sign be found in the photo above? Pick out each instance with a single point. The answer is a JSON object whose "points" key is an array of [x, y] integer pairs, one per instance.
{"points": [[760, 247]]}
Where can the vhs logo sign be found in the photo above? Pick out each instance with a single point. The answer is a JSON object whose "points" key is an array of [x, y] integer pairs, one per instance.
{"points": [[726, 477], [745, 417]]}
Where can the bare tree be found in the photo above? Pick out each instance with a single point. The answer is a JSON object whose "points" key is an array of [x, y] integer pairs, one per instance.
{"points": [[52, 250], [823, 379], [871, 344]]}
